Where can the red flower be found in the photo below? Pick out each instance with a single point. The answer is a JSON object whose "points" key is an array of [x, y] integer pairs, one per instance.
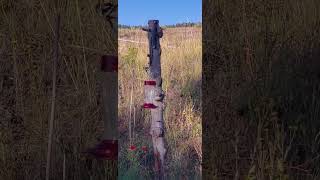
{"points": [[144, 148], [132, 148]]}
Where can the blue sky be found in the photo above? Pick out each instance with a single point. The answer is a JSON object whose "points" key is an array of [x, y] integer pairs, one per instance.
{"points": [[138, 12]]}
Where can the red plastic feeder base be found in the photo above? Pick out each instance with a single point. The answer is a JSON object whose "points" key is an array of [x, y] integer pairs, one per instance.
{"points": [[149, 106], [150, 83], [105, 150], [109, 63]]}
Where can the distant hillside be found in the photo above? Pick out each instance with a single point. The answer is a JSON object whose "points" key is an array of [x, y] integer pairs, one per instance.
{"points": [[186, 24]]}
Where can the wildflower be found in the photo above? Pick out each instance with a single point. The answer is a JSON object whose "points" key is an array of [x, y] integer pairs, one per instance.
{"points": [[144, 148], [132, 148]]}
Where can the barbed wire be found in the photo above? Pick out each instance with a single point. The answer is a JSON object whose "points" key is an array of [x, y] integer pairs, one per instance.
{"points": [[139, 42]]}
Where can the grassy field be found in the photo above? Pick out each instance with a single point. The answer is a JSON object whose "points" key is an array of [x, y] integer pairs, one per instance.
{"points": [[182, 73], [261, 89], [26, 60], [260, 92]]}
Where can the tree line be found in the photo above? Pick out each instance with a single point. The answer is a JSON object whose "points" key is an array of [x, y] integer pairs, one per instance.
{"points": [[187, 24]]}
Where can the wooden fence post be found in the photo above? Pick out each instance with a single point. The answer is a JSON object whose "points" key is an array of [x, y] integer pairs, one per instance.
{"points": [[157, 107]]}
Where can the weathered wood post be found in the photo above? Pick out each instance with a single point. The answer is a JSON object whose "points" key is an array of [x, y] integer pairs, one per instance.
{"points": [[157, 96]]}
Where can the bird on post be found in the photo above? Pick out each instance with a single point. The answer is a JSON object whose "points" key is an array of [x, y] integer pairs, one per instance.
{"points": [[153, 35]]}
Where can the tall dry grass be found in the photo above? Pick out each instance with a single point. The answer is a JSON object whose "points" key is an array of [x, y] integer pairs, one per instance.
{"points": [[261, 89], [182, 73], [26, 59]]}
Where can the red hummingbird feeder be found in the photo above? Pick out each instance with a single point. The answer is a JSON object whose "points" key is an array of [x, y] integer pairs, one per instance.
{"points": [[149, 94], [107, 149]]}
